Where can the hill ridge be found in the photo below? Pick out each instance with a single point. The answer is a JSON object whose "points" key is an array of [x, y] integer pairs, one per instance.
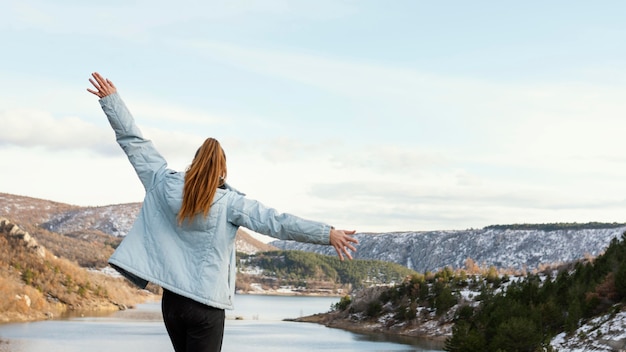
{"points": [[503, 248]]}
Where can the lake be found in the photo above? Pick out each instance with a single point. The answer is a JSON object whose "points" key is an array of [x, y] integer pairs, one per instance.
{"points": [[259, 327]]}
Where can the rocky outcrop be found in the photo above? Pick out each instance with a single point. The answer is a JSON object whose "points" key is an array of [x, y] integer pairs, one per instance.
{"points": [[430, 328], [14, 231]]}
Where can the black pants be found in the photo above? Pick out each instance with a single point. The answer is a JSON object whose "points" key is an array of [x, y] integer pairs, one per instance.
{"points": [[192, 326]]}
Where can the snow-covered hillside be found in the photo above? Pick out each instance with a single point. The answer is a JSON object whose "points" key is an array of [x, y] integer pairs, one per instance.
{"points": [[603, 333], [517, 249], [114, 220]]}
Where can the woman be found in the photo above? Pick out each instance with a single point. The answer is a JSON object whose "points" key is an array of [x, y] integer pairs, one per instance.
{"points": [[184, 236]]}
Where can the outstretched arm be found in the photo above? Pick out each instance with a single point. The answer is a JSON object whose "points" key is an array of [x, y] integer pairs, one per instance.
{"points": [[255, 216], [146, 160], [103, 86]]}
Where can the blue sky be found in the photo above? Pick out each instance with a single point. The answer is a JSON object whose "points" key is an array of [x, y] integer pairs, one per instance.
{"points": [[369, 115]]}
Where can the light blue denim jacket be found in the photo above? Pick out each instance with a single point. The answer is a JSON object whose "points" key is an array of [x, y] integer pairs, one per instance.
{"points": [[197, 259]]}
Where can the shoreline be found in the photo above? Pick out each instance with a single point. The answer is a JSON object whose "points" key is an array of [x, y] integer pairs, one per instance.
{"points": [[57, 314], [63, 312], [60, 311], [334, 320]]}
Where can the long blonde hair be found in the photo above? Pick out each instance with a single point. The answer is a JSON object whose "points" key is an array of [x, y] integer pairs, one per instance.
{"points": [[205, 174]]}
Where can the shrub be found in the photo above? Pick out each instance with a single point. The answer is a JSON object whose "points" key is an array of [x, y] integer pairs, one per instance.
{"points": [[343, 303]]}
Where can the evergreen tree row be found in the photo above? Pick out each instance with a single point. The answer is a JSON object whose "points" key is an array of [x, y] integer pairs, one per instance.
{"points": [[558, 226], [529, 313]]}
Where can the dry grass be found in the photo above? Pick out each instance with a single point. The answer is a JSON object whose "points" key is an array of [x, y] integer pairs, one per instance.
{"points": [[34, 286]]}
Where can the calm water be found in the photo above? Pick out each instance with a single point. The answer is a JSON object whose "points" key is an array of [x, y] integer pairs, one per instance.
{"points": [[261, 329]]}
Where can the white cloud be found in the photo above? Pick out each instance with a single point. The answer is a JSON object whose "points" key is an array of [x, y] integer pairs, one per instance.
{"points": [[39, 128], [29, 127], [390, 160], [73, 176]]}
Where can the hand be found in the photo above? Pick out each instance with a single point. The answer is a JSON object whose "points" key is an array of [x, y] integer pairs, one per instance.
{"points": [[104, 86], [340, 239]]}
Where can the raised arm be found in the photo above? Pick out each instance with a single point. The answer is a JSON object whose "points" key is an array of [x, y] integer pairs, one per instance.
{"points": [[141, 153]]}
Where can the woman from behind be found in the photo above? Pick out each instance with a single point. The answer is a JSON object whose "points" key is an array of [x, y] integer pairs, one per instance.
{"points": [[184, 236]]}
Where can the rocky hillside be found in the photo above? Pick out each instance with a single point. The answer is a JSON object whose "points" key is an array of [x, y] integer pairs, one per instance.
{"points": [[498, 247], [35, 284]]}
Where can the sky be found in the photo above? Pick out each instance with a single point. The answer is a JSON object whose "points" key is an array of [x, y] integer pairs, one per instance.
{"points": [[377, 116]]}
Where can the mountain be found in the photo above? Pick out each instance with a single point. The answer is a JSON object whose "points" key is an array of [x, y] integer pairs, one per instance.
{"points": [[498, 246], [59, 226]]}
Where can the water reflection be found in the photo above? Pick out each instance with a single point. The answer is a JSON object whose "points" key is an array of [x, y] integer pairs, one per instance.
{"points": [[424, 344], [142, 329]]}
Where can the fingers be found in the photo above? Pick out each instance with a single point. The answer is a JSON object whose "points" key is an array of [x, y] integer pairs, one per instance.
{"points": [[339, 253], [101, 81], [351, 247], [103, 86], [341, 240], [345, 251], [348, 239], [97, 84], [94, 84], [352, 239], [94, 92]]}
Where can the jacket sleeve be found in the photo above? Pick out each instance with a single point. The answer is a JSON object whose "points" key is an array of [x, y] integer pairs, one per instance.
{"points": [[267, 221], [140, 151]]}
